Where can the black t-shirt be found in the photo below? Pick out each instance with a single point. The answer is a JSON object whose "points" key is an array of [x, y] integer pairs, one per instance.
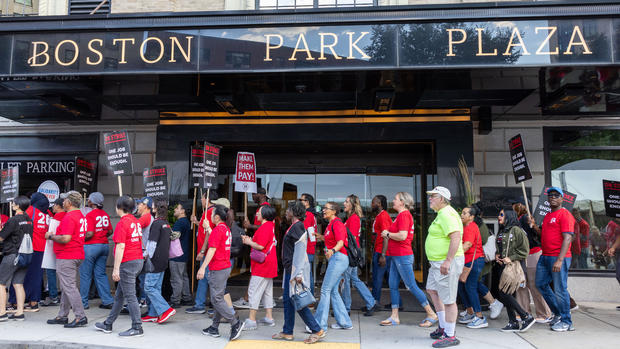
{"points": [[532, 236], [13, 233], [288, 245], [160, 233]]}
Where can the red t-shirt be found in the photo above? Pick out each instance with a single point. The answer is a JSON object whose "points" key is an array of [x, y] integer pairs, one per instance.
{"points": [[554, 225], [265, 236], [3, 220], [611, 231], [310, 222], [404, 221], [129, 232], [40, 225], [336, 231], [471, 233], [382, 222], [98, 222], [584, 231], [355, 226], [60, 215], [73, 224], [575, 245], [220, 238], [256, 222], [201, 234]]}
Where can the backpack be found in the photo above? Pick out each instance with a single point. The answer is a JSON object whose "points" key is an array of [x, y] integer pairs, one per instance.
{"points": [[489, 249], [356, 257], [236, 245]]}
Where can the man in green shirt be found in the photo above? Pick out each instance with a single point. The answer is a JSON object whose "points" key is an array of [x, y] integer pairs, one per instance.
{"points": [[444, 250]]}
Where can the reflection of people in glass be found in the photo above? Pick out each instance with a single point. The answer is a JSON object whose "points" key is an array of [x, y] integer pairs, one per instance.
{"points": [[311, 228], [599, 247], [584, 239], [399, 238], [336, 254], [612, 251], [353, 210]]}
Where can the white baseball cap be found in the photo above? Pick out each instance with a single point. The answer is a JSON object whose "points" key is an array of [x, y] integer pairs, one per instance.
{"points": [[443, 191]]}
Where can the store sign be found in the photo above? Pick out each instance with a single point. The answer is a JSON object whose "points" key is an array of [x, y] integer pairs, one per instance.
{"points": [[543, 206], [9, 184], [212, 161], [520, 168], [155, 181], [404, 45], [118, 152], [245, 173], [39, 167], [85, 174], [611, 196], [50, 189]]}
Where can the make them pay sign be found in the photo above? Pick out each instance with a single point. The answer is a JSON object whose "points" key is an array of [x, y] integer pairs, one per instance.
{"points": [[245, 168]]}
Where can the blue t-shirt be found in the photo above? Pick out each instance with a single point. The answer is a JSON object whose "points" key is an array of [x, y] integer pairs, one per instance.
{"points": [[182, 225]]}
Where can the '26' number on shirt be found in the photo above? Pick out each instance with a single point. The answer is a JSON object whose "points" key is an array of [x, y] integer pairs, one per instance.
{"points": [[136, 230], [103, 221], [82, 225]]}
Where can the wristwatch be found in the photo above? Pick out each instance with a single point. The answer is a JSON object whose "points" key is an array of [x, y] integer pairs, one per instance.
{"points": [[388, 235]]}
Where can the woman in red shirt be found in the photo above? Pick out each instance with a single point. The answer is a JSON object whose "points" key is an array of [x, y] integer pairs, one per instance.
{"points": [[261, 281], [472, 245], [400, 236], [353, 209], [128, 261], [336, 254]]}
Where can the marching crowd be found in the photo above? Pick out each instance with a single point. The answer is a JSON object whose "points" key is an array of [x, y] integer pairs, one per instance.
{"points": [[526, 260]]}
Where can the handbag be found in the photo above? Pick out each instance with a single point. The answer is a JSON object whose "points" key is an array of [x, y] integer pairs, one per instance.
{"points": [[260, 256], [467, 270], [302, 298], [512, 275], [175, 249]]}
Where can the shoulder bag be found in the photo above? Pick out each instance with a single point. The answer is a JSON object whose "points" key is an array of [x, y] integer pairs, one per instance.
{"points": [[302, 298], [512, 275], [260, 256], [467, 270]]}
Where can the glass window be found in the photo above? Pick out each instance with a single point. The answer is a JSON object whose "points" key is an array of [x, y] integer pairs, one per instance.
{"points": [[581, 172], [299, 4], [238, 59]]}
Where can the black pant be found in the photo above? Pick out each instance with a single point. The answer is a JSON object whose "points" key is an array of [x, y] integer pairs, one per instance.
{"points": [[512, 306]]}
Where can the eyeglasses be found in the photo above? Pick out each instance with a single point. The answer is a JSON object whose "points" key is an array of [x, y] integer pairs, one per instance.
{"points": [[554, 195], [328, 208]]}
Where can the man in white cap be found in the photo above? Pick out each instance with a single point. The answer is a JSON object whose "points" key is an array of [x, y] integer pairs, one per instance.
{"points": [[444, 250], [96, 251]]}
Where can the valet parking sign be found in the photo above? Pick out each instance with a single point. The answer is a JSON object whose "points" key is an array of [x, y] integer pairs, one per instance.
{"points": [[156, 183], [118, 152], [245, 173], [611, 196]]}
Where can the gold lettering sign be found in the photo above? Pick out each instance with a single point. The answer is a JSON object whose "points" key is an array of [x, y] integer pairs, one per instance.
{"points": [[269, 47], [123, 41], [185, 53], [93, 50], [451, 41], [32, 61], [301, 39], [143, 46]]}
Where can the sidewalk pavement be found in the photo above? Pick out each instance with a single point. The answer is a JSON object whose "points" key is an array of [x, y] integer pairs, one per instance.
{"points": [[597, 326]]}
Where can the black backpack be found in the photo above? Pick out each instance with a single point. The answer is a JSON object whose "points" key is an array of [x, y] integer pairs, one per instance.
{"points": [[236, 245], [356, 257]]}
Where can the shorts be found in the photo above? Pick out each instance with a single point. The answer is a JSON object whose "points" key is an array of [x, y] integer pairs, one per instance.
{"points": [[446, 285], [260, 289], [9, 271]]}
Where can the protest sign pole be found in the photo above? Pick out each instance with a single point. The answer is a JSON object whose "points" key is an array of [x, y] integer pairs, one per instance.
{"points": [[194, 240], [527, 205], [120, 186], [11, 208]]}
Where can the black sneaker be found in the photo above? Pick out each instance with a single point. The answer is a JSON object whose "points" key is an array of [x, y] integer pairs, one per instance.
{"points": [[77, 323], [11, 308], [106, 306], [511, 327], [58, 321], [235, 330], [4, 318], [554, 320], [32, 308], [438, 333], [103, 327], [446, 342], [527, 323], [132, 332], [50, 302], [17, 317], [211, 331], [371, 311]]}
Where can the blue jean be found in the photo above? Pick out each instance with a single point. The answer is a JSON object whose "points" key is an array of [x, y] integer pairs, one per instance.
{"points": [[141, 293], [557, 299], [311, 260], [95, 258], [350, 277], [470, 289], [52, 283], [201, 290], [289, 311], [337, 265], [378, 273], [157, 305], [402, 268]]}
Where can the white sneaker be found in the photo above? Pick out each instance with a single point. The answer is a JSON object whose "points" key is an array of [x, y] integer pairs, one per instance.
{"points": [[241, 303], [267, 322], [249, 325], [336, 326], [496, 309], [463, 313], [308, 330]]}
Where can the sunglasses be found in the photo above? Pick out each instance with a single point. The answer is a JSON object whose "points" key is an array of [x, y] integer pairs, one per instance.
{"points": [[554, 195], [501, 215]]}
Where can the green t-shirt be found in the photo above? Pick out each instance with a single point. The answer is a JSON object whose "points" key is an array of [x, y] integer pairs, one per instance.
{"points": [[438, 238]]}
